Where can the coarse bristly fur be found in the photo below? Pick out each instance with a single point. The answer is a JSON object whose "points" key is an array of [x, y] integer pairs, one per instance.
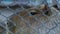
{"points": [[29, 20]]}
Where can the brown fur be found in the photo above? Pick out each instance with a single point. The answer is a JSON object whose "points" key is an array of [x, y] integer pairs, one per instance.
{"points": [[28, 20]]}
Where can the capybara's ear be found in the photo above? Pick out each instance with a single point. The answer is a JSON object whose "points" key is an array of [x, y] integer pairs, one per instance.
{"points": [[43, 7]]}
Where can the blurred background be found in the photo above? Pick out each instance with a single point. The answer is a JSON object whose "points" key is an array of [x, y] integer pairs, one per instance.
{"points": [[30, 2]]}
